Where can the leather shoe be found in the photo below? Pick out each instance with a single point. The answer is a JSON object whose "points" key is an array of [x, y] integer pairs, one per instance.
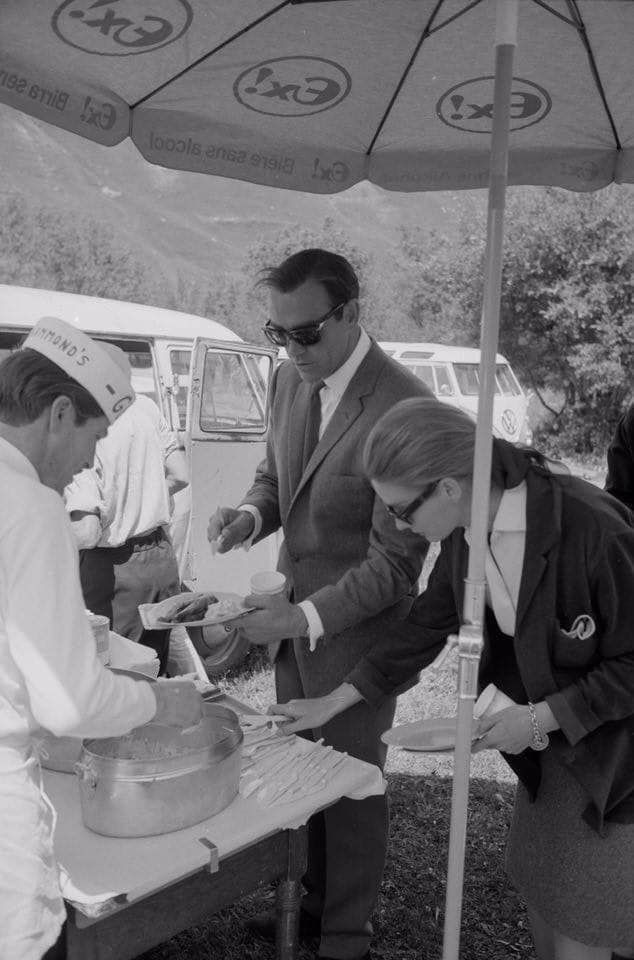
{"points": [[262, 925]]}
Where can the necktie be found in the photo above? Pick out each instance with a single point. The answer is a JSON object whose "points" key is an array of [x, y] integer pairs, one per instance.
{"points": [[313, 421]]}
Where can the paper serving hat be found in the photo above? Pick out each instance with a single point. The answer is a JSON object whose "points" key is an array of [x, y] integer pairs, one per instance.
{"points": [[104, 373]]}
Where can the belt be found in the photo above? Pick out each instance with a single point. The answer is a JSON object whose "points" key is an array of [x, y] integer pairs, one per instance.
{"points": [[154, 536]]}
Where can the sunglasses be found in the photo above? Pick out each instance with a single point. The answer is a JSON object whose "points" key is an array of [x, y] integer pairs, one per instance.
{"points": [[306, 336], [405, 515]]}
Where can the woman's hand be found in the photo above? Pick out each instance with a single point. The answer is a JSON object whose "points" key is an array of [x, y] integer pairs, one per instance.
{"points": [[313, 713], [509, 730]]}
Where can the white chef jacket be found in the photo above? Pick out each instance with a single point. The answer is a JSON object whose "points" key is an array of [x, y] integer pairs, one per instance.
{"points": [[50, 677]]}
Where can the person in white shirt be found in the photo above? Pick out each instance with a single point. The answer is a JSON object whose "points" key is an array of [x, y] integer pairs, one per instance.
{"points": [[57, 397], [120, 511], [351, 576]]}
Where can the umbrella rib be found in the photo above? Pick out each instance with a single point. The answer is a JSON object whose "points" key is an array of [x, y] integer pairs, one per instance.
{"points": [[428, 30], [210, 53], [583, 33], [555, 13]]}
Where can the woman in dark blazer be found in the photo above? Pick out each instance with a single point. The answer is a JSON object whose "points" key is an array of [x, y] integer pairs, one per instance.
{"points": [[559, 641]]}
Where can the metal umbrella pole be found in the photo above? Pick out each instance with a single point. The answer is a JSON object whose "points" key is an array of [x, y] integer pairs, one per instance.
{"points": [[470, 639]]}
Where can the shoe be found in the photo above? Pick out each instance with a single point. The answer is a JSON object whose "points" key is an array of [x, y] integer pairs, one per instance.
{"points": [[262, 925]]}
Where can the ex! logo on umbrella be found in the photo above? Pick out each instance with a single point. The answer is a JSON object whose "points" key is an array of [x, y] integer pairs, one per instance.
{"points": [[292, 86], [119, 28], [469, 105]]}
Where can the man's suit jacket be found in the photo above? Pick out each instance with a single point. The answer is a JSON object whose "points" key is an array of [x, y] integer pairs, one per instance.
{"points": [[341, 548], [578, 560]]}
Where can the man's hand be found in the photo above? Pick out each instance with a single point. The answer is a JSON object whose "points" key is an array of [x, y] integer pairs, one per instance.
{"points": [[178, 703], [275, 619], [314, 713], [229, 528]]}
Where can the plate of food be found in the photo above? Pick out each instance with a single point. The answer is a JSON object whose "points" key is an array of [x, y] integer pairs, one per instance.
{"points": [[431, 735], [193, 610]]}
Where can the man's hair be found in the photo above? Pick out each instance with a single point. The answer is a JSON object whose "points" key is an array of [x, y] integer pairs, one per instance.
{"points": [[333, 271], [30, 382]]}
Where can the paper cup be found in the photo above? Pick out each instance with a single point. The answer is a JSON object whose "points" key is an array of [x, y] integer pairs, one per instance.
{"points": [[490, 701], [268, 583], [101, 632]]}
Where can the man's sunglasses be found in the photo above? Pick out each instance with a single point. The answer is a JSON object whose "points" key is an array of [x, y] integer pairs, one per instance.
{"points": [[405, 515], [306, 336]]}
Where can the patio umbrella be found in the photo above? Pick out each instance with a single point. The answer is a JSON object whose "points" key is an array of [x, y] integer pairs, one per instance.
{"points": [[317, 95]]}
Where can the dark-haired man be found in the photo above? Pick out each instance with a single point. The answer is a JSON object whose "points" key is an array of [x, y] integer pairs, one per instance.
{"points": [[57, 398], [351, 575], [620, 477]]}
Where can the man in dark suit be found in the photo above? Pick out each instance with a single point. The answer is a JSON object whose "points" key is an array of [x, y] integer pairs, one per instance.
{"points": [[351, 575]]}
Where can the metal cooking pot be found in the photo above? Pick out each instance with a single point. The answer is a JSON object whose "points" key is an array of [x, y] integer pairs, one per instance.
{"points": [[158, 779]]}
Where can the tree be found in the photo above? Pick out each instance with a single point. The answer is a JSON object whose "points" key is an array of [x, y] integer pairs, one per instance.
{"points": [[567, 307]]}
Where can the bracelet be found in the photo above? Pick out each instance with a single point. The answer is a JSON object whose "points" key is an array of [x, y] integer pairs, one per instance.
{"points": [[539, 740]]}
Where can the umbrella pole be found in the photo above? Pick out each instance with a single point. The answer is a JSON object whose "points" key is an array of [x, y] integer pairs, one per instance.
{"points": [[471, 635]]}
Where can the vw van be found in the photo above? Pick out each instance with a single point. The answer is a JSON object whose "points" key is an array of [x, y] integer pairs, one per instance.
{"points": [[221, 420], [453, 373]]}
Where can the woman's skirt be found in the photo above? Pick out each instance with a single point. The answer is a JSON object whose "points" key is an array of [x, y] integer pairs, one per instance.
{"points": [[580, 884]]}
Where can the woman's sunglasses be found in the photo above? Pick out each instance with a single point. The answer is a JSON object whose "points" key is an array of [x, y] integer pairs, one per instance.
{"points": [[306, 336], [405, 515]]}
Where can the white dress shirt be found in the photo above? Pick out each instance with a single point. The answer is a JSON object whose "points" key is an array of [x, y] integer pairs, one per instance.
{"points": [[126, 488], [330, 396], [504, 558]]}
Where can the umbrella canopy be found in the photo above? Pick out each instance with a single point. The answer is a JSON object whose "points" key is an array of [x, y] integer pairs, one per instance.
{"points": [[317, 96]]}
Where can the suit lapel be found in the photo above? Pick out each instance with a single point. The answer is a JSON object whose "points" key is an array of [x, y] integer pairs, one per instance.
{"points": [[543, 509]]}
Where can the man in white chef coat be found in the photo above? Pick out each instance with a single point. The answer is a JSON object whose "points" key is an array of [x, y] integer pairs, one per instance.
{"points": [[57, 397]]}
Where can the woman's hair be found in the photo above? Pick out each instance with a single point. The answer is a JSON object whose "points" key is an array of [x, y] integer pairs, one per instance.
{"points": [[418, 442], [30, 382], [422, 440]]}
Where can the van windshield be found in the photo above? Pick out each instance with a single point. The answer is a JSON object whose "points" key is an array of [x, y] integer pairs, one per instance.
{"points": [[468, 377]]}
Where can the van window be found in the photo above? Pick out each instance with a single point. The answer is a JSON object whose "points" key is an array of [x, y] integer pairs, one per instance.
{"points": [[179, 365], [9, 342], [444, 386], [233, 393], [436, 376], [468, 377], [507, 381]]}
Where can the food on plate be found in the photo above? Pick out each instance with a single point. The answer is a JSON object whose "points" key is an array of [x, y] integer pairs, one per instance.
{"points": [[193, 606]]}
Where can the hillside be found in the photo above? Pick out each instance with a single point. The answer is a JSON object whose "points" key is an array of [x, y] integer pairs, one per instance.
{"points": [[185, 220]]}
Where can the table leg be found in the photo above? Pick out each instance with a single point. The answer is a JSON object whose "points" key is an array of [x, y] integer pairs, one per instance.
{"points": [[288, 897]]}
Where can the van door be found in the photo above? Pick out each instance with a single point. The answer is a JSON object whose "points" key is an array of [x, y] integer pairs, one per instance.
{"points": [[226, 430]]}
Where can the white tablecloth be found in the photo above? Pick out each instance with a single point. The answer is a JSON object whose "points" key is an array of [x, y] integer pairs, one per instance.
{"points": [[100, 868]]}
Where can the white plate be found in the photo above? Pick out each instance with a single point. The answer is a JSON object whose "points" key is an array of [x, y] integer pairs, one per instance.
{"points": [[428, 736], [209, 619]]}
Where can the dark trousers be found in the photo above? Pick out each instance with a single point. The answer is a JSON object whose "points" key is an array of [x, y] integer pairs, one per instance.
{"points": [[115, 580], [58, 950], [347, 843]]}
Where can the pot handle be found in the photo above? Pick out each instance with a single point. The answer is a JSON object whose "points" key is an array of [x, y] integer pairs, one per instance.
{"points": [[86, 771]]}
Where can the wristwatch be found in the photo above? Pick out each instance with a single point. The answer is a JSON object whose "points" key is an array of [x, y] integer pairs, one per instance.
{"points": [[539, 740]]}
